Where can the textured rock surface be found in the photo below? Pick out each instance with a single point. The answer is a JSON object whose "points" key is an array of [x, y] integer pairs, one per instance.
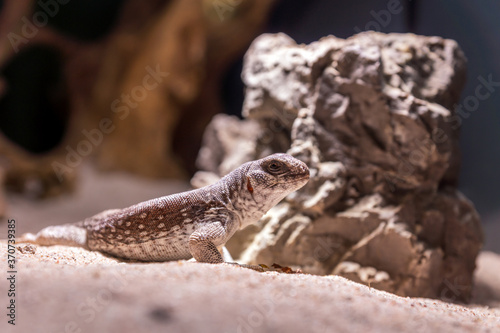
{"points": [[372, 117]]}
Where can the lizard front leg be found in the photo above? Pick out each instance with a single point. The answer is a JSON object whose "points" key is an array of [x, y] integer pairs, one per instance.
{"points": [[202, 243], [203, 249]]}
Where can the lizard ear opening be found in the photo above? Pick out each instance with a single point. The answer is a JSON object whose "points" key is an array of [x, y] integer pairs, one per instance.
{"points": [[249, 186]]}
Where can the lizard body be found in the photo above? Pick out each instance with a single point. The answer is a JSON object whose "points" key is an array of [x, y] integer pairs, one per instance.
{"points": [[195, 223]]}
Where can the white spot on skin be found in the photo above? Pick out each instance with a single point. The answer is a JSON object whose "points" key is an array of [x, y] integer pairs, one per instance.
{"points": [[141, 226], [143, 215], [127, 232], [161, 225], [119, 237], [187, 220], [161, 217], [143, 233], [128, 224]]}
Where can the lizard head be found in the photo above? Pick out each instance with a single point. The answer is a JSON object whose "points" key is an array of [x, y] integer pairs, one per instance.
{"points": [[274, 177]]}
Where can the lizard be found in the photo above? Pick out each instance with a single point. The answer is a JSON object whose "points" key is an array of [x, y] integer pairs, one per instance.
{"points": [[195, 223]]}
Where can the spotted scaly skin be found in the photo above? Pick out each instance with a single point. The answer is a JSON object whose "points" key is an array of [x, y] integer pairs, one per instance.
{"points": [[195, 223]]}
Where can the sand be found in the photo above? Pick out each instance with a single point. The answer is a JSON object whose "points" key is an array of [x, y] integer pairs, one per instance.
{"points": [[66, 289]]}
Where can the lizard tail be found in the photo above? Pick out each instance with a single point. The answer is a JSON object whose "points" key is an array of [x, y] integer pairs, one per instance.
{"points": [[68, 234]]}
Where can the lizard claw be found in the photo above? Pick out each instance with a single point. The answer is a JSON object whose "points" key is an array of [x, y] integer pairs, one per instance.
{"points": [[253, 267]]}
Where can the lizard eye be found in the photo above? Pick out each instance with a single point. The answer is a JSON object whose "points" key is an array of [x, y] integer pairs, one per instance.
{"points": [[275, 167]]}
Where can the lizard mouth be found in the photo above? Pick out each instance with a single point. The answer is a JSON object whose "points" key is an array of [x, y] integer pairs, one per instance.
{"points": [[295, 179], [305, 175]]}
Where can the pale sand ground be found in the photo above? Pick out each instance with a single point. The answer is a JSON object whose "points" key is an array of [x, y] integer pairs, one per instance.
{"points": [[63, 289], [69, 289]]}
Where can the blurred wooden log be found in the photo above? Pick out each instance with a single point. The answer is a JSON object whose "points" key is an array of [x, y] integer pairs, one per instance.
{"points": [[140, 97]]}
